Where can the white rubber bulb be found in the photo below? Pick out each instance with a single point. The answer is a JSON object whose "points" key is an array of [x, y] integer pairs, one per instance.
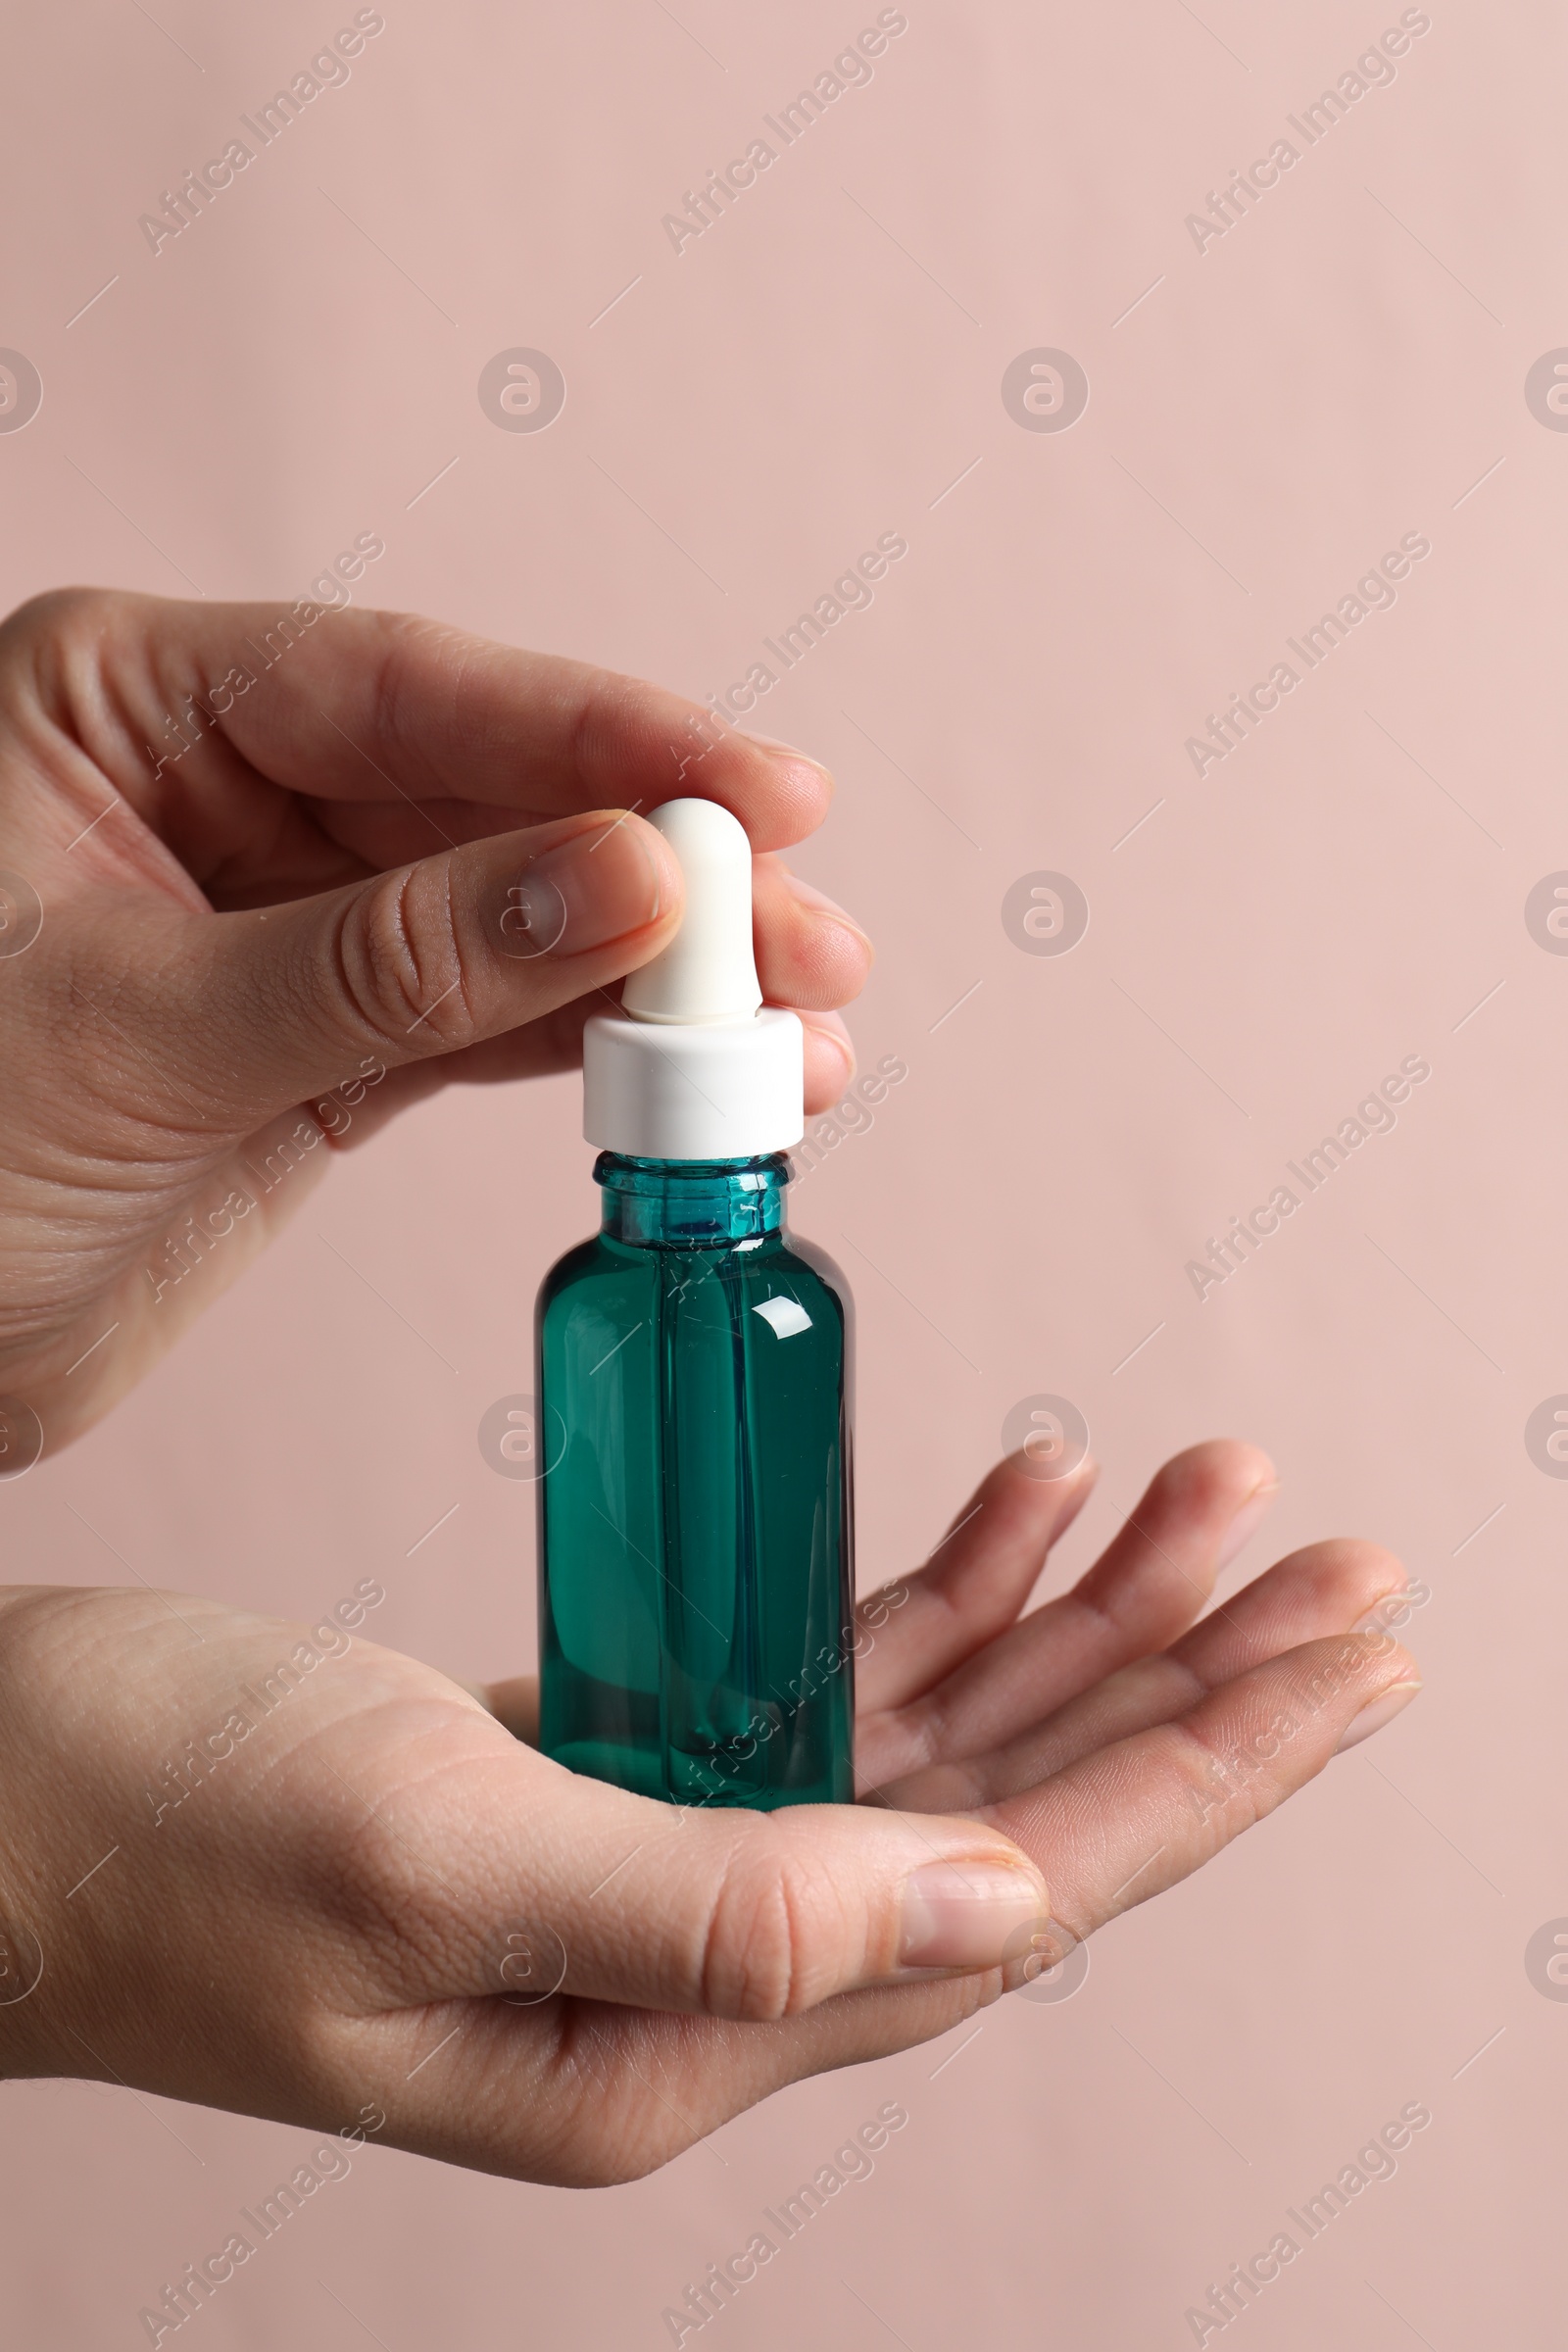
{"points": [[707, 976]]}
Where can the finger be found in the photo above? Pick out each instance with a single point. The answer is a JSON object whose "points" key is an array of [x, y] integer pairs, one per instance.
{"points": [[552, 1042], [810, 955], [243, 1015], [1146, 1586], [555, 1043], [808, 951], [1133, 1819], [513, 1702], [829, 1060], [921, 1627], [379, 706], [734, 1913], [1327, 1588]]}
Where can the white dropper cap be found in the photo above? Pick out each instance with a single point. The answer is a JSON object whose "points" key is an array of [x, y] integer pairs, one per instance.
{"points": [[700, 1068]]}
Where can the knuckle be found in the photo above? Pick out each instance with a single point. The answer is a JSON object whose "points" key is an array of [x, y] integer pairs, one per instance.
{"points": [[389, 1905], [923, 1726], [399, 965], [1214, 1781], [1176, 1679], [68, 610], [418, 661], [773, 1940], [56, 637], [1104, 1606], [613, 712]]}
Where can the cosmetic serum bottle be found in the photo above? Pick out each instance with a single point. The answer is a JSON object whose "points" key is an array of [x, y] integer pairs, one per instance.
{"points": [[693, 1386]]}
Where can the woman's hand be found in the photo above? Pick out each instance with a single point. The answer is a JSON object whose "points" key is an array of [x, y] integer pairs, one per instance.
{"points": [[277, 1869], [295, 868]]}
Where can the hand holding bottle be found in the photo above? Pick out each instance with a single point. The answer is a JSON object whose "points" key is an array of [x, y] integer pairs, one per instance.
{"points": [[265, 879], [370, 1893]]}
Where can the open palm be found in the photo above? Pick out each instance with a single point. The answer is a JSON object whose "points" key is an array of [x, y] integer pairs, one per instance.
{"points": [[353, 1883]]}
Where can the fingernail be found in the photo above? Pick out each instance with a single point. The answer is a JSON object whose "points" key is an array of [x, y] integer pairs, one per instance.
{"points": [[1376, 1713], [582, 893], [1246, 1522], [965, 1914], [788, 752]]}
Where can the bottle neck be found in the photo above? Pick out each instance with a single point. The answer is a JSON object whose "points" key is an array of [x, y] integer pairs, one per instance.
{"points": [[691, 1203]]}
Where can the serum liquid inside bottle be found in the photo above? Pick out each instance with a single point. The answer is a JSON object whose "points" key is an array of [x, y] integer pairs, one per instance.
{"points": [[694, 1381]]}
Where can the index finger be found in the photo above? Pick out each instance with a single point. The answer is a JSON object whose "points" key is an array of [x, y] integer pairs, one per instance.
{"points": [[351, 704]]}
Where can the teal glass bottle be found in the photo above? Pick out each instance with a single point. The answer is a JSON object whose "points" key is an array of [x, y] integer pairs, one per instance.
{"points": [[694, 1515]]}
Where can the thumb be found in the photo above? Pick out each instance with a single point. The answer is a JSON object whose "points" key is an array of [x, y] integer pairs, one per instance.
{"points": [[571, 1885], [249, 1013]]}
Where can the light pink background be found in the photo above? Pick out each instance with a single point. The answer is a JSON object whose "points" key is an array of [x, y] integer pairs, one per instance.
{"points": [[820, 366]]}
